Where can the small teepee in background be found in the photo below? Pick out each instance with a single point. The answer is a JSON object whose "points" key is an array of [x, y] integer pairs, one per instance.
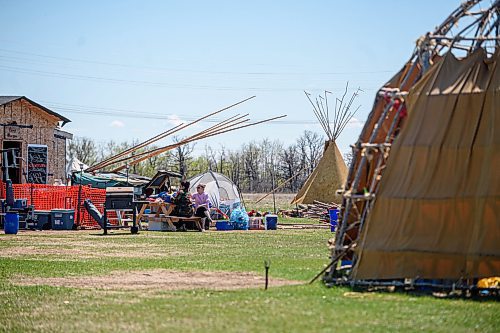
{"points": [[331, 171]]}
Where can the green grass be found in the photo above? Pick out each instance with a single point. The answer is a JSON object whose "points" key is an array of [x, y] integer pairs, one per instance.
{"points": [[298, 220], [282, 202], [296, 255]]}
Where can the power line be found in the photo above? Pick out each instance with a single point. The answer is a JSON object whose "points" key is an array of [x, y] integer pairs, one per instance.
{"points": [[102, 111], [140, 82], [166, 69]]}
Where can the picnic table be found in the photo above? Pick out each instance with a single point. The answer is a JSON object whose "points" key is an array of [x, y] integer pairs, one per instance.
{"points": [[167, 208]]}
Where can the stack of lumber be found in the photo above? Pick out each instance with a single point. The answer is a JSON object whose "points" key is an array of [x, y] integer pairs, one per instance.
{"points": [[318, 211]]}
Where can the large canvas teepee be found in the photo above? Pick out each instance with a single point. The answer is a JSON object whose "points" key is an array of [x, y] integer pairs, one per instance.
{"points": [[428, 221], [419, 199], [331, 171], [326, 179]]}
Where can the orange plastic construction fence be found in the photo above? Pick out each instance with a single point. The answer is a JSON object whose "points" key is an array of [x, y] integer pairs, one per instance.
{"points": [[47, 197]]}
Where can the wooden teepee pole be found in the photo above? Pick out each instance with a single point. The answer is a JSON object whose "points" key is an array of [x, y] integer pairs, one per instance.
{"points": [[162, 135], [110, 160], [170, 147], [184, 141], [235, 120]]}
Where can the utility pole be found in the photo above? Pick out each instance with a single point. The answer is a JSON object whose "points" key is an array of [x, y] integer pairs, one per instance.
{"points": [[273, 183]]}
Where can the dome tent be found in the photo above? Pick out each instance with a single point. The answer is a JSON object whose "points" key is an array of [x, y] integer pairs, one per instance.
{"points": [[220, 189]]}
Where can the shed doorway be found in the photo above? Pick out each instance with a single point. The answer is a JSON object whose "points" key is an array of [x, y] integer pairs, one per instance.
{"points": [[14, 163]]}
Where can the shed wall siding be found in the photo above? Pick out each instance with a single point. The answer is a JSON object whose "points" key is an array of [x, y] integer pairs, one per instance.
{"points": [[42, 133]]}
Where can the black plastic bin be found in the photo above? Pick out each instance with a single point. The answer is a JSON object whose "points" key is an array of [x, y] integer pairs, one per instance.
{"points": [[62, 219], [43, 219]]}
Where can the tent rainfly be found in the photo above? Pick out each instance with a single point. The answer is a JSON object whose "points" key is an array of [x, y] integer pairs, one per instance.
{"points": [[331, 171]]}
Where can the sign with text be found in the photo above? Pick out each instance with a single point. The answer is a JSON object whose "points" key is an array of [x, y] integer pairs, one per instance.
{"points": [[37, 164], [12, 132]]}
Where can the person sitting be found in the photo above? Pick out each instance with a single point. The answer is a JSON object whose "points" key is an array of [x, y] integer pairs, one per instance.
{"points": [[202, 205], [183, 204]]}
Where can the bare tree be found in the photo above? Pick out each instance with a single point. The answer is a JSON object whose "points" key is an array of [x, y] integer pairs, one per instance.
{"points": [[348, 158], [234, 169], [182, 156], [311, 146], [211, 158], [251, 155], [289, 165], [84, 149]]}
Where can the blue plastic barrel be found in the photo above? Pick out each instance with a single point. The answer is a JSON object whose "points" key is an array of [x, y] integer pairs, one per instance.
{"points": [[271, 222], [11, 223], [334, 215]]}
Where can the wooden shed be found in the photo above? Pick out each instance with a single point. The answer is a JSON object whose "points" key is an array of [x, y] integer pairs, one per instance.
{"points": [[34, 143]]}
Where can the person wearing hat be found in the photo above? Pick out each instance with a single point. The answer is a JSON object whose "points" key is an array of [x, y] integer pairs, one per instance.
{"points": [[202, 204]]}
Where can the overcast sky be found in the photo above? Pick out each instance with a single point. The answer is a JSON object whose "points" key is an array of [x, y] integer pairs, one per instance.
{"points": [[131, 69]]}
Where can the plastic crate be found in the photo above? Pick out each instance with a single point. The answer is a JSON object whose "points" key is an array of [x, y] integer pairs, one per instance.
{"points": [[256, 223]]}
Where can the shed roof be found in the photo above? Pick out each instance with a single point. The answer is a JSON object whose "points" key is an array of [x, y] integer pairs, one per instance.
{"points": [[9, 99]]}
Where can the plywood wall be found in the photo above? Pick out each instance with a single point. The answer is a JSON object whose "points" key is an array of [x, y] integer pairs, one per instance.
{"points": [[42, 133]]}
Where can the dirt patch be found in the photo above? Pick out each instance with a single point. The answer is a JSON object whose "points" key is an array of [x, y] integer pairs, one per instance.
{"points": [[161, 279], [89, 252], [82, 245]]}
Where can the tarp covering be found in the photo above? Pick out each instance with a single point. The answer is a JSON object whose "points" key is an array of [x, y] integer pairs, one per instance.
{"points": [[436, 212], [220, 189], [103, 180], [328, 176]]}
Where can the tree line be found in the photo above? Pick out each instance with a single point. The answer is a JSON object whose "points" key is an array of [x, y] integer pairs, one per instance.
{"points": [[258, 166]]}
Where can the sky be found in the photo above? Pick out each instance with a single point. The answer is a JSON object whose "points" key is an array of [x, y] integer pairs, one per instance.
{"points": [[124, 70]]}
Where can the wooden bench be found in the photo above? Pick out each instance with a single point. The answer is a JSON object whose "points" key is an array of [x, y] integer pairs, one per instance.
{"points": [[178, 219], [166, 209]]}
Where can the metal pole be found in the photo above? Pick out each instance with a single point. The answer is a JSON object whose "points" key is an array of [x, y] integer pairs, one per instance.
{"points": [[127, 167], [78, 215], [5, 167], [274, 196], [267, 264]]}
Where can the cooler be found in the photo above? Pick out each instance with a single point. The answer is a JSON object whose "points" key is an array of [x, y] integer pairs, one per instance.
{"points": [[62, 219]]}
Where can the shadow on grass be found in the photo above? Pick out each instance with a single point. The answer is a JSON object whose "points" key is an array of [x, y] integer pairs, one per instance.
{"points": [[475, 295]]}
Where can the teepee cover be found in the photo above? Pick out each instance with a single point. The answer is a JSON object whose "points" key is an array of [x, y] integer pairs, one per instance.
{"points": [[436, 213], [331, 171], [328, 176]]}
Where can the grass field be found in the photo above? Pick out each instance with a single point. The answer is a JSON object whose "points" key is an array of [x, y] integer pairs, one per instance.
{"points": [[267, 205], [37, 292], [282, 201]]}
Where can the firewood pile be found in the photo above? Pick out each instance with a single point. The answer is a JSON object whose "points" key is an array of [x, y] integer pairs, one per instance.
{"points": [[318, 211]]}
